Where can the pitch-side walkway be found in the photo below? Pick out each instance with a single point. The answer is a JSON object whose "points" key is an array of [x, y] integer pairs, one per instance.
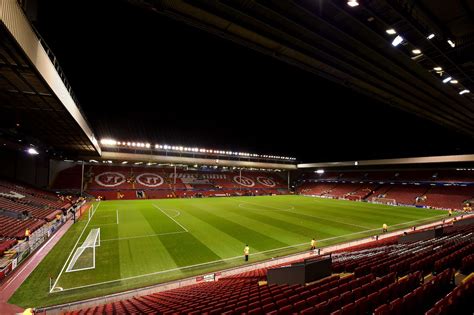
{"points": [[193, 280], [19, 275]]}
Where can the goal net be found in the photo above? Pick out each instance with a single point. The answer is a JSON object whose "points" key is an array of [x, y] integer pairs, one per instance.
{"points": [[386, 201], [84, 256]]}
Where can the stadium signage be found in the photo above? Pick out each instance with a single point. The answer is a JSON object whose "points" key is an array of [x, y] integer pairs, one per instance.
{"points": [[244, 181], [265, 181], [110, 179], [150, 179], [208, 278]]}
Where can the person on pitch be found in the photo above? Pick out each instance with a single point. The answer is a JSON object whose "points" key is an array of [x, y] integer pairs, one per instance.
{"points": [[384, 228], [450, 212], [246, 252], [313, 244]]}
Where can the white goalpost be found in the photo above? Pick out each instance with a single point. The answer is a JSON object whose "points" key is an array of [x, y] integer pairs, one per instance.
{"points": [[84, 256], [91, 213]]}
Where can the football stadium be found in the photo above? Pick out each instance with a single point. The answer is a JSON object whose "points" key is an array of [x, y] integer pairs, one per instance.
{"points": [[236, 157]]}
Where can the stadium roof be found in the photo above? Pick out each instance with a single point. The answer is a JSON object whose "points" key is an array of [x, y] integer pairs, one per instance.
{"points": [[37, 105], [143, 79], [350, 45]]}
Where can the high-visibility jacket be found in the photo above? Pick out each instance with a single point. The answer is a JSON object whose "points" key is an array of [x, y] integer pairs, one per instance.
{"points": [[313, 243], [27, 232], [246, 250], [384, 226]]}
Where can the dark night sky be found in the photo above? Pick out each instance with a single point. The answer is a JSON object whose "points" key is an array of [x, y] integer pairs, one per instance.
{"points": [[140, 76]]}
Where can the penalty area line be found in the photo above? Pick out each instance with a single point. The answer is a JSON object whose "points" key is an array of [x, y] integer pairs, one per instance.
{"points": [[75, 245], [231, 258], [141, 236]]}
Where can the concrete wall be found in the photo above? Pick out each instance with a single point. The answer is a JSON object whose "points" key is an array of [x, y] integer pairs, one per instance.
{"points": [[22, 167]]}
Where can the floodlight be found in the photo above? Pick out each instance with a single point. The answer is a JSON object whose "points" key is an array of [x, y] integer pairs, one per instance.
{"points": [[352, 3], [464, 92], [391, 31], [32, 151], [320, 171], [108, 142], [447, 80], [431, 36], [397, 41], [416, 51]]}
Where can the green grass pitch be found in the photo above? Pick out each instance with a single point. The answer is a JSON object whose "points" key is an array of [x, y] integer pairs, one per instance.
{"points": [[144, 242]]}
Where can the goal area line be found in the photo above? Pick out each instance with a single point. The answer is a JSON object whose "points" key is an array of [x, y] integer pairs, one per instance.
{"points": [[239, 257]]}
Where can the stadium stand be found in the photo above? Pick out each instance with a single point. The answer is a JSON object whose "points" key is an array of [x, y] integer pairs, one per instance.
{"points": [[24, 201], [379, 278], [118, 182], [6, 244], [436, 189], [15, 228]]}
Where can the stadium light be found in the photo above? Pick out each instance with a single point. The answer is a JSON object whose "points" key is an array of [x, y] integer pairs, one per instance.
{"points": [[431, 36], [93, 161], [454, 81], [108, 142], [397, 41], [320, 171], [391, 31], [32, 151], [451, 43], [124, 162], [464, 92], [438, 69], [416, 51], [446, 80], [352, 3]]}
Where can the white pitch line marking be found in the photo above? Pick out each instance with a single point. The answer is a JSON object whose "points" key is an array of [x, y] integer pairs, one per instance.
{"points": [[141, 236], [75, 245], [310, 215], [231, 258], [157, 207]]}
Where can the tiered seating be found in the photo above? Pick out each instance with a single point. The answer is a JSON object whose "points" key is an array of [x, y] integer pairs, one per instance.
{"points": [[448, 196], [467, 264], [418, 301], [439, 189], [114, 182], [15, 228], [36, 203], [406, 194], [316, 188], [341, 190], [458, 301], [6, 244], [40, 213], [382, 280]]}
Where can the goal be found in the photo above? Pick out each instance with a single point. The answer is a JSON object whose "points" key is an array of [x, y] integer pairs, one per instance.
{"points": [[84, 256], [386, 201]]}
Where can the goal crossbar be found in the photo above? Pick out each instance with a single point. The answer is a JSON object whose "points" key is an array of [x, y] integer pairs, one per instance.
{"points": [[84, 256]]}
